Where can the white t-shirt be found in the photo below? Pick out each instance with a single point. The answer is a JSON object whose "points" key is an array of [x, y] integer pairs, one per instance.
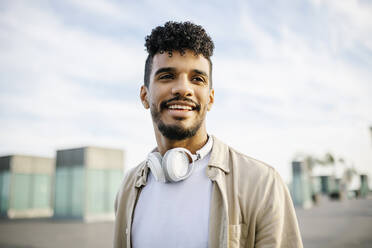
{"points": [[171, 215]]}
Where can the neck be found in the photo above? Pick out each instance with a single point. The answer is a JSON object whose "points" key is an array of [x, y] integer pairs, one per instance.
{"points": [[192, 144]]}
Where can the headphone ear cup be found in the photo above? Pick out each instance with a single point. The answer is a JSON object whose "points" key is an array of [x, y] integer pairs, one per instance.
{"points": [[154, 161], [175, 165]]}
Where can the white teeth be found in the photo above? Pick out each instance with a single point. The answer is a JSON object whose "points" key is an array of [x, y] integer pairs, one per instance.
{"points": [[180, 107]]}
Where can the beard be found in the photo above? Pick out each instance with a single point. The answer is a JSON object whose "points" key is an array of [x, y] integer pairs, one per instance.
{"points": [[174, 132], [177, 132]]}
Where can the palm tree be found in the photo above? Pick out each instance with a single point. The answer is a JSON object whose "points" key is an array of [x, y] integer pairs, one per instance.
{"points": [[328, 159]]}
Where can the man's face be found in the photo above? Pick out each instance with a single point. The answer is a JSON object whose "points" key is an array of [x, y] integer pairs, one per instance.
{"points": [[179, 94]]}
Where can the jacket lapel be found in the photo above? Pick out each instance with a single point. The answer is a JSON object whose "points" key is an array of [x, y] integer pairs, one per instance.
{"points": [[216, 171]]}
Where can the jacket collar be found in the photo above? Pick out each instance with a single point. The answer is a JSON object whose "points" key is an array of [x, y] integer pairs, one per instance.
{"points": [[141, 176], [219, 159], [219, 156]]}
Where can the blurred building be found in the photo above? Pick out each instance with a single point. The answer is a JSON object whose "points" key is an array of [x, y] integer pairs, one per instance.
{"points": [[86, 182], [364, 187], [328, 177], [26, 186], [301, 185]]}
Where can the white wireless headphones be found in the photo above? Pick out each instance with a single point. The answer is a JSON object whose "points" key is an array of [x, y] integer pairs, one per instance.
{"points": [[175, 166]]}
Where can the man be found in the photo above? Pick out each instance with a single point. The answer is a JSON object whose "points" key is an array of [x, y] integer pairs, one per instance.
{"points": [[193, 190]]}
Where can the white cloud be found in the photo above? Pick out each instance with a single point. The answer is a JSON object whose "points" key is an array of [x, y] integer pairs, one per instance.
{"points": [[40, 44], [311, 98], [349, 21]]}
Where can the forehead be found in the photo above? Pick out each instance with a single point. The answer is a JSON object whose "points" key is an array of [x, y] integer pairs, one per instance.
{"points": [[181, 62]]}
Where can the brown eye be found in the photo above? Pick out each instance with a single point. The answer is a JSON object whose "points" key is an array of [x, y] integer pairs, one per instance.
{"points": [[166, 76], [200, 79]]}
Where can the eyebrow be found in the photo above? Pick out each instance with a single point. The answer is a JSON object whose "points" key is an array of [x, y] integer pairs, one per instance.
{"points": [[200, 72], [165, 69], [172, 69]]}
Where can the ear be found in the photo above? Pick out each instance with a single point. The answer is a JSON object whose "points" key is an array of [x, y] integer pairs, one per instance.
{"points": [[211, 99], [143, 96]]}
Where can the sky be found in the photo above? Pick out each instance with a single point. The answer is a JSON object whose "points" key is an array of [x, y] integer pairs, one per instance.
{"points": [[290, 77]]}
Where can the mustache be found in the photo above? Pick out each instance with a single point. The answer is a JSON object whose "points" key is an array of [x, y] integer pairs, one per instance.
{"points": [[163, 104]]}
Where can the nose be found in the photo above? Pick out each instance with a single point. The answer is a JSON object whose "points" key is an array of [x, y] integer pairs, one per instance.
{"points": [[182, 87]]}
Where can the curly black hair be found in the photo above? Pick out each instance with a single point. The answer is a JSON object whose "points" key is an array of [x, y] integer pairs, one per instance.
{"points": [[177, 36]]}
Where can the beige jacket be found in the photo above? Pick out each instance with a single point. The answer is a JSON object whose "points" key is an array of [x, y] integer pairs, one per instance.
{"points": [[250, 204]]}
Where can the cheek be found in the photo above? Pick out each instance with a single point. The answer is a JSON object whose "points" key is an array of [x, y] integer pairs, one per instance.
{"points": [[205, 98], [158, 94], [152, 96], [155, 101]]}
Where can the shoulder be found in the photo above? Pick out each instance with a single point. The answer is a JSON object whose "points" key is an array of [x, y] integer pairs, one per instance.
{"points": [[130, 176], [241, 167], [254, 173], [256, 179], [128, 185], [239, 164], [249, 164]]}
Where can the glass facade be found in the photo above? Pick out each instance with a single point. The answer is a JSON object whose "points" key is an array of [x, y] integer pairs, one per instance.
{"points": [[41, 191], [4, 191], [69, 191], [20, 190], [81, 191], [30, 191]]}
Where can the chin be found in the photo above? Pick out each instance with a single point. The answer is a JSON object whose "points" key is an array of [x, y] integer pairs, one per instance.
{"points": [[178, 132]]}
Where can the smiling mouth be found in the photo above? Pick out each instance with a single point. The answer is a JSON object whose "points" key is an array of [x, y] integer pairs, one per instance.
{"points": [[180, 107], [180, 104]]}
